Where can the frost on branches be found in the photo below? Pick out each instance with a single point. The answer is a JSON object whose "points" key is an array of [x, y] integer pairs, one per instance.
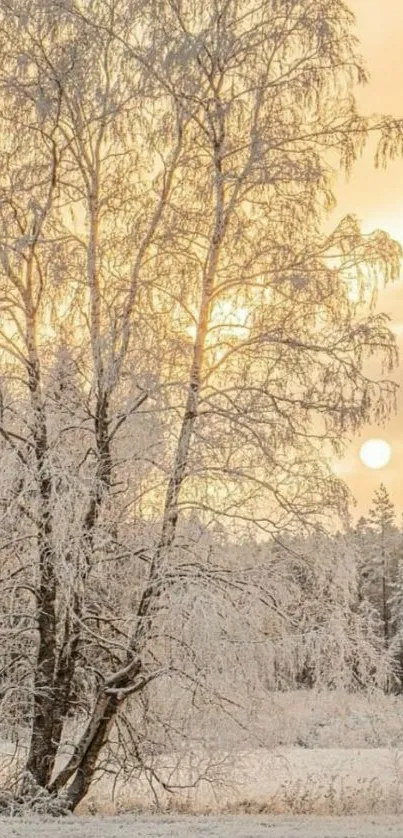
{"points": [[182, 349]]}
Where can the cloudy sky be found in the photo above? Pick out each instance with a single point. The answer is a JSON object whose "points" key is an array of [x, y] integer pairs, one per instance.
{"points": [[376, 197]]}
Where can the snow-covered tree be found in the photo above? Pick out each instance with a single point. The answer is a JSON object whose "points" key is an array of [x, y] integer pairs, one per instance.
{"points": [[378, 543], [382, 517], [181, 346]]}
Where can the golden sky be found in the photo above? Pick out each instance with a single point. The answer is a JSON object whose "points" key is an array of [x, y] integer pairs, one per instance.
{"points": [[376, 197]]}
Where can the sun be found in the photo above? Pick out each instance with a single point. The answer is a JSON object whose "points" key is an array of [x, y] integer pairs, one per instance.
{"points": [[375, 453]]}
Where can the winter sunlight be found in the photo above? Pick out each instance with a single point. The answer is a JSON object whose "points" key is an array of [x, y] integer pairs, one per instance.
{"points": [[201, 581], [375, 453]]}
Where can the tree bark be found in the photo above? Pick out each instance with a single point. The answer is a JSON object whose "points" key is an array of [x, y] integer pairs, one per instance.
{"points": [[42, 751], [175, 483]]}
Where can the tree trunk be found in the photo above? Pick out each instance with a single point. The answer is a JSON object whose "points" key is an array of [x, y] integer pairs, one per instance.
{"points": [[85, 771], [42, 751], [175, 483], [82, 763]]}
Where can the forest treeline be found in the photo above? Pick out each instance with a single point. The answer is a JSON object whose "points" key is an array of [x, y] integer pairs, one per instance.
{"points": [[350, 588]]}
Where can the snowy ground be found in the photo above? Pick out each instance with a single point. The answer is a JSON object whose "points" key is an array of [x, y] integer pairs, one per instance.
{"points": [[164, 826], [294, 781], [325, 755], [286, 781]]}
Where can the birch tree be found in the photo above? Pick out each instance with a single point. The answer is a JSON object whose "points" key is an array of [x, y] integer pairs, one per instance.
{"points": [[181, 336], [64, 236]]}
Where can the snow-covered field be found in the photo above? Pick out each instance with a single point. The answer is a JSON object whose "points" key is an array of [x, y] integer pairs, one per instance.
{"points": [[164, 826], [284, 781], [324, 755], [295, 781]]}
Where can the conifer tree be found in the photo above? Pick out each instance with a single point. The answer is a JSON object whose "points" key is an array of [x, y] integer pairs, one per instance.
{"points": [[382, 517]]}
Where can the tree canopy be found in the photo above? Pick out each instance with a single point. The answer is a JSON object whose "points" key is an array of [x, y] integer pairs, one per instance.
{"points": [[182, 346]]}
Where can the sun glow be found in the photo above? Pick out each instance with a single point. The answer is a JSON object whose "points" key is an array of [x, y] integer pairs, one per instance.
{"points": [[227, 320], [375, 453], [231, 318]]}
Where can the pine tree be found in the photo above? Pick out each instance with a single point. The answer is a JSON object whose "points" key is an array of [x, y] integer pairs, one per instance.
{"points": [[382, 517]]}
